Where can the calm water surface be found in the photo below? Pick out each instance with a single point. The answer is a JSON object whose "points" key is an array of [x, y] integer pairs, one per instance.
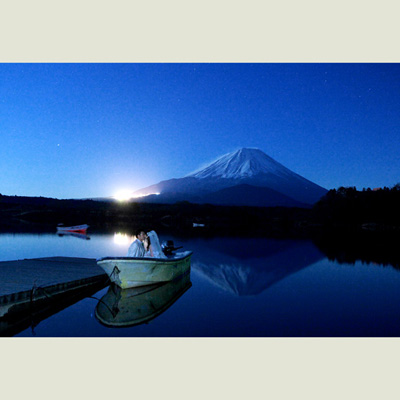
{"points": [[238, 287]]}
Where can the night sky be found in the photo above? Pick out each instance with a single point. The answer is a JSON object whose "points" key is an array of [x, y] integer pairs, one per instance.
{"points": [[92, 130]]}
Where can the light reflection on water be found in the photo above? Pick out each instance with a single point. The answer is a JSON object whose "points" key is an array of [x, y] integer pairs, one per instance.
{"points": [[28, 245], [123, 239], [239, 287]]}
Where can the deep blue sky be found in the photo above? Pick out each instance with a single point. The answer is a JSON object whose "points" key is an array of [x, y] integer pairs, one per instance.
{"points": [[90, 130]]}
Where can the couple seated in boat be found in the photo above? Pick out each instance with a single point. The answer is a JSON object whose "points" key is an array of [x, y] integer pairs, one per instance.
{"points": [[146, 245]]}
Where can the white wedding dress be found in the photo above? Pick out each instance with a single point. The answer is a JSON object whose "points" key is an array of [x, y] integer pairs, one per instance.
{"points": [[155, 245]]}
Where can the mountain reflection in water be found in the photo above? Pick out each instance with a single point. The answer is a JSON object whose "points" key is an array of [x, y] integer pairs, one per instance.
{"points": [[249, 266]]}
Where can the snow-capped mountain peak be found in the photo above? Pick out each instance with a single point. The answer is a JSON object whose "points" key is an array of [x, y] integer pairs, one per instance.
{"points": [[243, 163], [246, 176]]}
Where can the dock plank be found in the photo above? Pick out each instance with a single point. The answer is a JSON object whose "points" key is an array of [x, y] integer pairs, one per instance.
{"points": [[22, 275]]}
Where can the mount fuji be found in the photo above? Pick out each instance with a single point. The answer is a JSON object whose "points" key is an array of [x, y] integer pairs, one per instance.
{"points": [[245, 177]]}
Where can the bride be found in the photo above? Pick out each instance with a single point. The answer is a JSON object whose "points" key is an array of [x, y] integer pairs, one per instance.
{"points": [[152, 246]]}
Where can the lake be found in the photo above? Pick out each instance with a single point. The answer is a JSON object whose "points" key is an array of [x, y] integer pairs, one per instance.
{"points": [[237, 287]]}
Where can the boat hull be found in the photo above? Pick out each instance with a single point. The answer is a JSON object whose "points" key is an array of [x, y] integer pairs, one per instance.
{"points": [[130, 272]]}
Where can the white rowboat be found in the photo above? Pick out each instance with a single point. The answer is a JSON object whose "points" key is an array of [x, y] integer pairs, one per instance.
{"points": [[129, 272]]}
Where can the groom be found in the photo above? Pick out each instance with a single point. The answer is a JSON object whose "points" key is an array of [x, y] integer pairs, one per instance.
{"points": [[136, 249]]}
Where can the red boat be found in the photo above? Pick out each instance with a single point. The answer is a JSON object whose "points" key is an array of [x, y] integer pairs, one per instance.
{"points": [[72, 229]]}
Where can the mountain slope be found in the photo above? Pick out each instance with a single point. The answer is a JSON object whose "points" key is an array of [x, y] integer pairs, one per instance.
{"points": [[247, 195], [243, 167]]}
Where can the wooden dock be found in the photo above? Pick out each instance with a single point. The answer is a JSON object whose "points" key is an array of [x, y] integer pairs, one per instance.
{"points": [[22, 275], [34, 289]]}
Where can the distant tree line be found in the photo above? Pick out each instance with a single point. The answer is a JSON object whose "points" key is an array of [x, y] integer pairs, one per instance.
{"points": [[46, 213], [344, 208], [370, 208]]}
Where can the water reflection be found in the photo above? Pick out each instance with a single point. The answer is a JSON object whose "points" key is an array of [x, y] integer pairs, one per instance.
{"points": [[369, 248], [129, 307], [123, 239], [19, 311], [242, 287], [249, 266], [83, 236]]}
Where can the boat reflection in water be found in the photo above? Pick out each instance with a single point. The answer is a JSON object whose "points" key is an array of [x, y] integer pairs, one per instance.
{"points": [[83, 236], [134, 306], [248, 266]]}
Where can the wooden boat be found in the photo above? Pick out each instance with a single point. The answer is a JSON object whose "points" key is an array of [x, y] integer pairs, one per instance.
{"points": [[72, 229], [129, 272], [135, 306]]}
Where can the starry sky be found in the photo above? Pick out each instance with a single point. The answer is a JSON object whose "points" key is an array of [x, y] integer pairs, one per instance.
{"points": [[92, 130]]}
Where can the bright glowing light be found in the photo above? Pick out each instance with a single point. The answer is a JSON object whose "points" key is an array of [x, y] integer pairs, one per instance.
{"points": [[123, 195], [123, 239]]}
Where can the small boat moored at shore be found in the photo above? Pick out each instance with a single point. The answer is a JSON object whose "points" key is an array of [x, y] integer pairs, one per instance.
{"points": [[72, 229], [129, 272]]}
